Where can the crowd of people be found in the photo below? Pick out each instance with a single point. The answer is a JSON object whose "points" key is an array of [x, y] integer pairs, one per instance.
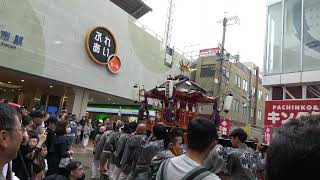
{"points": [[35, 146], [42, 144]]}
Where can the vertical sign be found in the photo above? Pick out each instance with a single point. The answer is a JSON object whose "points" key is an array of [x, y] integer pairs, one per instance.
{"points": [[267, 134], [225, 126]]}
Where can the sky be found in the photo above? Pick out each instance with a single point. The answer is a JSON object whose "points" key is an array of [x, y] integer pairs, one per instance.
{"points": [[195, 22]]}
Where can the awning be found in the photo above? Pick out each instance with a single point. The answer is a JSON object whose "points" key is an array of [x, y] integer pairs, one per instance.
{"points": [[136, 8]]}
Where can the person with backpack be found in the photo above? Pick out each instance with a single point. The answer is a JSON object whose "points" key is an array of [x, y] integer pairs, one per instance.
{"points": [[202, 136]]}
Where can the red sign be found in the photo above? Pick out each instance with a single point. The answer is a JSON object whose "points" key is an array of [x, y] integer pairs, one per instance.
{"points": [[225, 126], [279, 112], [114, 64], [267, 134], [209, 52]]}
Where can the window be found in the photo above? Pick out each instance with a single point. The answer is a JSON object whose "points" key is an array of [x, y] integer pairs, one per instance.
{"points": [[252, 112], [226, 74], [274, 33], [245, 85], [259, 115], [277, 93], [260, 95], [244, 108], [254, 71], [237, 81], [253, 90], [236, 105], [291, 51], [311, 43], [207, 70]]}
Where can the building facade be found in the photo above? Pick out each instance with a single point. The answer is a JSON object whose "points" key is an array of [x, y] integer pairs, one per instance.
{"points": [[45, 59], [292, 58], [292, 62], [242, 80]]}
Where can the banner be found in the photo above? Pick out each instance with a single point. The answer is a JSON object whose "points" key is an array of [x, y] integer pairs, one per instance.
{"points": [[267, 134], [225, 126], [279, 112], [209, 52]]}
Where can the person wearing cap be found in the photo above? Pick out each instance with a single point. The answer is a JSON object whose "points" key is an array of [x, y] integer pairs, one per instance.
{"points": [[74, 171]]}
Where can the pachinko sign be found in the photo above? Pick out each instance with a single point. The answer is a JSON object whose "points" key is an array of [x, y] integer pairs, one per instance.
{"points": [[278, 113], [209, 52]]}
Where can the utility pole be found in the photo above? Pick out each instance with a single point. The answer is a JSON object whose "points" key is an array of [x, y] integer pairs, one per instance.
{"points": [[224, 24]]}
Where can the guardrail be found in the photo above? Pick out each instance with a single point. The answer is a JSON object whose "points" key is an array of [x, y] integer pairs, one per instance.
{"points": [[157, 36]]}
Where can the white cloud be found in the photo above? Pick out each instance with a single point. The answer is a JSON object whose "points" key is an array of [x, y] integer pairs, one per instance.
{"points": [[195, 22]]}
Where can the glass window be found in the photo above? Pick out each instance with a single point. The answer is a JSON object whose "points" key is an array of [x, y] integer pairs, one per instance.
{"points": [[253, 90], [273, 63], [291, 53], [260, 95], [272, 1], [207, 70], [245, 85], [236, 106], [237, 81], [252, 112], [311, 35], [244, 108], [259, 115]]}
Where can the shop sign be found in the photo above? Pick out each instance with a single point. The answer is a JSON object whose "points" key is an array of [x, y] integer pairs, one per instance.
{"points": [[10, 40], [280, 112], [102, 48], [209, 52], [225, 126], [267, 134]]}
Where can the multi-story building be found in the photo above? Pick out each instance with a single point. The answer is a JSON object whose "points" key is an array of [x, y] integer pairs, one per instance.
{"points": [[242, 80], [292, 61], [65, 54], [292, 58]]}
